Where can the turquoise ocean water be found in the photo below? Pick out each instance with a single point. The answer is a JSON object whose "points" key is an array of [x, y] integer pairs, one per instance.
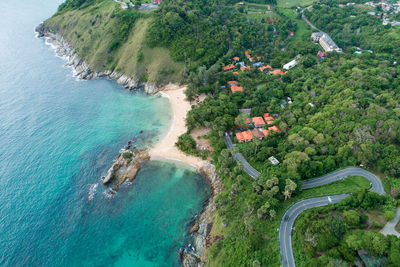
{"points": [[58, 136]]}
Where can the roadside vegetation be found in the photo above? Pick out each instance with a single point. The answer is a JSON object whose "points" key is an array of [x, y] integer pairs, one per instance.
{"points": [[341, 234]]}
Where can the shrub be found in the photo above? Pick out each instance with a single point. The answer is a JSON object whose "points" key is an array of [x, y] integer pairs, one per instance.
{"points": [[389, 215], [127, 155], [351, 217]]}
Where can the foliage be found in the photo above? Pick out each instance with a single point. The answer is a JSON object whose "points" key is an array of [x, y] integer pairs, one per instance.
{"points": [[127, 155]]}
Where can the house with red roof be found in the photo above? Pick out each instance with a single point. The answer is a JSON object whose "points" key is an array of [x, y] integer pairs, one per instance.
{"points": [[274, 128], [236, 59], [235, 88], [278, 72], [233, 83], [235, 73], [265, 68], [156, 2], [243, 68], [244, 136], [258, 122], [258, 57], [228, 67], [321, 54], [268, 119], [247, 121], [265, 132], [291, 33]]}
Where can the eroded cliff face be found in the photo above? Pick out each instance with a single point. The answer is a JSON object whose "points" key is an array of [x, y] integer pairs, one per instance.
{"points": [[82, 70]]}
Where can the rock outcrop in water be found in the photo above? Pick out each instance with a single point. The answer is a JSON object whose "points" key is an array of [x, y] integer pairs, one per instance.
{"points": [[125, 167], [82, 69], [202, 228]]}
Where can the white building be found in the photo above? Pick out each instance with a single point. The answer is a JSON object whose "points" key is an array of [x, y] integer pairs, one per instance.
{"points": [[273, 160], [290, 65]]}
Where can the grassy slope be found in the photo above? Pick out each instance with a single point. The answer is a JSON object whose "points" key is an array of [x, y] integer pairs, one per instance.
{"points": [[268, 229], [90, 32]]}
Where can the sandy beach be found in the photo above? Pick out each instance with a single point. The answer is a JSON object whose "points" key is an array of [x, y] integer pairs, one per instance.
{"points": [[166, 148]]}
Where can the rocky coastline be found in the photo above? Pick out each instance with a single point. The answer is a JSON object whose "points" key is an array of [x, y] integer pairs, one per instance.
{"points": [[126, 168], [82, 69], [194, 256]]}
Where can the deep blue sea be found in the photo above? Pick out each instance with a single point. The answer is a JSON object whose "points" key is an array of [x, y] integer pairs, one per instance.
{"points": [[58, 136]]}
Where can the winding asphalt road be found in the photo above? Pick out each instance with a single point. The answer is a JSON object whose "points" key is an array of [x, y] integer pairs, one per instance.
{"points": [[285, 230], [239, 157]]}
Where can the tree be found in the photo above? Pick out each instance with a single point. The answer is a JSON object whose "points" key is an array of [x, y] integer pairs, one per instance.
{"points": [[337, 226], [138, 4], [289, 188], [351, 217]]}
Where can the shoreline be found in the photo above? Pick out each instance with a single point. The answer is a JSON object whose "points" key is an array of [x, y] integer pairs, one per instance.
{"points": [[165, 149]]}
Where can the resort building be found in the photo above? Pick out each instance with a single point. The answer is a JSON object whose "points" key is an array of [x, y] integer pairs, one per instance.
{"points": [[233, 83], [278, 72], [246, 136], [268, 119], [290, 65], [325, 41], [235, 88], [273, 160], [265, 68], [258, 122], [228, 67]]}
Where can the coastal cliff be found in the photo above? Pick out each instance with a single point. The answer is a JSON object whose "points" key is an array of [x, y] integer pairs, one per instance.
{"points": [[82, 69], [202, 227]]}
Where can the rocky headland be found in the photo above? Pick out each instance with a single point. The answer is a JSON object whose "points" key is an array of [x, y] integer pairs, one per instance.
{"points": [[83, 71], [125, 167]]}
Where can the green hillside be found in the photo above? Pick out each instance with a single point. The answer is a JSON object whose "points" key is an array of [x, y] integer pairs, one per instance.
{"points": [[109, 38]]}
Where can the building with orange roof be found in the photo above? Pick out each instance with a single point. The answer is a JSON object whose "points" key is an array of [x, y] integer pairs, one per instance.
{"points": [[258, 122], [265, 68], [235, 73], [243, 68], [236, 58], [233, 82], [265, 132], [228, 67], [268, 119], [235, 88], [278, 72], [247, 121], [251, 59], [274, 128], [258, 57], [244, 136]]}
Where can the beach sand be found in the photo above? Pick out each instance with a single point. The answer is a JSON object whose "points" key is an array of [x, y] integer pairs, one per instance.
{"points": [[166, 148]]}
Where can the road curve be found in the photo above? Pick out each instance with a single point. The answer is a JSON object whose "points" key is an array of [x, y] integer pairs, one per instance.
{"points": [[285, 229], [239, 157]]}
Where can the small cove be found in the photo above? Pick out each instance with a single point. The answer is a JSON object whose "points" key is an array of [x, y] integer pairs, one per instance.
{"points": [[58, 137]]}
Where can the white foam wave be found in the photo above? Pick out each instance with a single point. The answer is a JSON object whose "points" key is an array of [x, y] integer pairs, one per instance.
{"points": [[92, 191]]}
